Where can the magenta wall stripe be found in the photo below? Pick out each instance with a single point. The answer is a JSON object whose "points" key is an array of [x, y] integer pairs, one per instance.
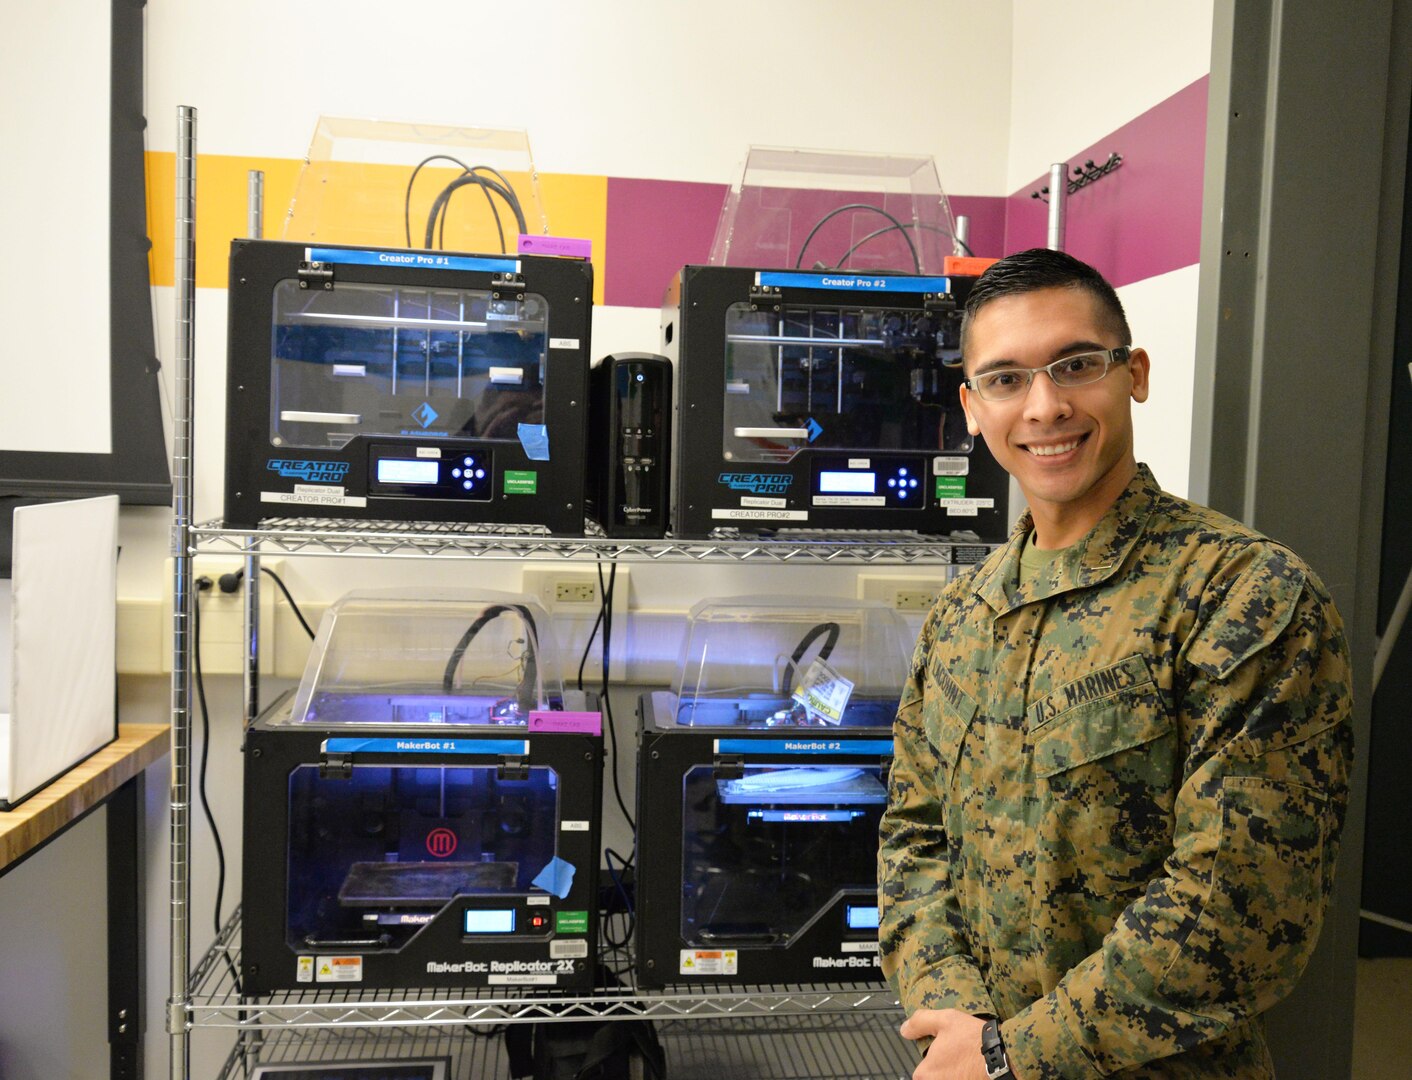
{"points": [[1140, 221], [1143, 219]]}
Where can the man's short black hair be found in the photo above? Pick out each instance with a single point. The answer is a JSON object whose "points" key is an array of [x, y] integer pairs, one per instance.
{"points": [[1043, 268]]}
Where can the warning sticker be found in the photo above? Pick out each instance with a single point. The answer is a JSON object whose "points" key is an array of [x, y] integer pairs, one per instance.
{"points": [[304, 970], [708, 962], [338, 969], [823, 692]]}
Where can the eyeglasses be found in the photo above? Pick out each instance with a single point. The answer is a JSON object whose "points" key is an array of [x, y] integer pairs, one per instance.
{"points": [[1007, 384]]}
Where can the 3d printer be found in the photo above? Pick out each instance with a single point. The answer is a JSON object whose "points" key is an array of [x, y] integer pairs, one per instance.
{"points": [[761, 782], [406, 385], [406, 824], [823, 394]]}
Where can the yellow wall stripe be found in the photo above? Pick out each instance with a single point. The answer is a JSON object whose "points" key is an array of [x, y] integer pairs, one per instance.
{"points": [[347, 203]]}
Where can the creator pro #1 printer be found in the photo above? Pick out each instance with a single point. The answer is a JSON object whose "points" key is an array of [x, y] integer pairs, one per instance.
{"points": [[761, 781], [377, 370], [407, 823], [818, 358]]}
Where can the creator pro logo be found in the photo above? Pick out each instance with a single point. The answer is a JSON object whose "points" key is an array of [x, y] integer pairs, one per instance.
{"points": [[317, 472], [757, 483]]}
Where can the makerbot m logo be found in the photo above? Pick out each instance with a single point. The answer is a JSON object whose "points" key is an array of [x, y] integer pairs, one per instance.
{"points": [[757, 483], [317, 472], [441, 842]]}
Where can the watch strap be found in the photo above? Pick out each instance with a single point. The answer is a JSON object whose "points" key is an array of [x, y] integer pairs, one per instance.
{"points": [[997, 1065]]}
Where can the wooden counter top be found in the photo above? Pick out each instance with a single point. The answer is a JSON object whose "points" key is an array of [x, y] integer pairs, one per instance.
{"points": [[80, 789]]}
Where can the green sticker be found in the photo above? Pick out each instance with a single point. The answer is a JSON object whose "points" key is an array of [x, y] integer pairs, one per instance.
{"points": [[571, 922], [521, 482], [950, 487]]}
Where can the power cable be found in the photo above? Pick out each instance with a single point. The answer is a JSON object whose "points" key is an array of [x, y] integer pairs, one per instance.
{"points": [[916, 259], [203, 584]]}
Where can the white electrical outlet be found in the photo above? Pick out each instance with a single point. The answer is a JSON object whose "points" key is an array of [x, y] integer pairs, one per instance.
{"points": [[569, 592], [908, 593], [222, 614]]}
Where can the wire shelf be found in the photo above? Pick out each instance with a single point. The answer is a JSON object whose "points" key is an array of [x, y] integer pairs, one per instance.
{"points": [[216, 1003], [863, 1047], [408, 540]]}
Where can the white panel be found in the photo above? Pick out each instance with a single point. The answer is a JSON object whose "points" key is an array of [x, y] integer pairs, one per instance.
{"points": [[55, 60], [65, 623], [7, 644], [1084, 68], [637, 88], [1162, 314]]}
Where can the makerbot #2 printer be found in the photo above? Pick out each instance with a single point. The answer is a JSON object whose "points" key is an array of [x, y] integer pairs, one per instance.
{"points": [[761, 782], [406, 823]]}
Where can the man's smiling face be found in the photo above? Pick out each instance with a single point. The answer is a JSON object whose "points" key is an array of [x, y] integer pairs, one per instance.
{"points": [[1069, 448]]}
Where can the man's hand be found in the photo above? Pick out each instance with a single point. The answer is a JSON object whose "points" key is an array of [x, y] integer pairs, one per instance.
{"points": [[955, 1050]]}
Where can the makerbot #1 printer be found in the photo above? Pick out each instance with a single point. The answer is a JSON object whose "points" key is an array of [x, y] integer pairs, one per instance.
{"points": [[406, 824], [761, 782]]}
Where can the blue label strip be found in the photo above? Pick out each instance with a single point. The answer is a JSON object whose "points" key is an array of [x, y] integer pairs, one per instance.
{"points": [[420, 260], [428, 745], [853, 282], [756, 747]]}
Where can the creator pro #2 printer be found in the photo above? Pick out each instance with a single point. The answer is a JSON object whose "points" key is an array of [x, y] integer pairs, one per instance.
{"points": [[818, 358], [407, 824], [761, 781]]}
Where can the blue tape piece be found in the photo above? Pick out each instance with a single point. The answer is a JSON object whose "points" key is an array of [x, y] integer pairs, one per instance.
{"points": [[850, 281], [757, 747], [535, 439], [557, 877], [429, 745], [418, 260]]}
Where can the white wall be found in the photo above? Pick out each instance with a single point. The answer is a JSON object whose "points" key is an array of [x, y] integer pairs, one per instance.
{"points": [[1083, 68], [1162, 313], [629, 88]]}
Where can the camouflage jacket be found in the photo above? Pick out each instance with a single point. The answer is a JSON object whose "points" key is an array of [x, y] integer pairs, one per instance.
{"points": [[1117, 795]]}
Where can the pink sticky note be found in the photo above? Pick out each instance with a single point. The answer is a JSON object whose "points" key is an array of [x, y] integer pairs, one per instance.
{"points": [[581, 723], [555, 245]]}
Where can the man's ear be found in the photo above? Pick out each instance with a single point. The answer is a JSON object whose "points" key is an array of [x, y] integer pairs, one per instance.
{"points": [[971, 424], [1140, 366]]}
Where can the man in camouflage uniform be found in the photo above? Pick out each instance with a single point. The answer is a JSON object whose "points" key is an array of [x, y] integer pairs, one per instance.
{"points": [[1122, 755]]}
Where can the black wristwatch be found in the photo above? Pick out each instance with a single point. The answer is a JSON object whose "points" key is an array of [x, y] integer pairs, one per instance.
{"points": [[997, 1065]]}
